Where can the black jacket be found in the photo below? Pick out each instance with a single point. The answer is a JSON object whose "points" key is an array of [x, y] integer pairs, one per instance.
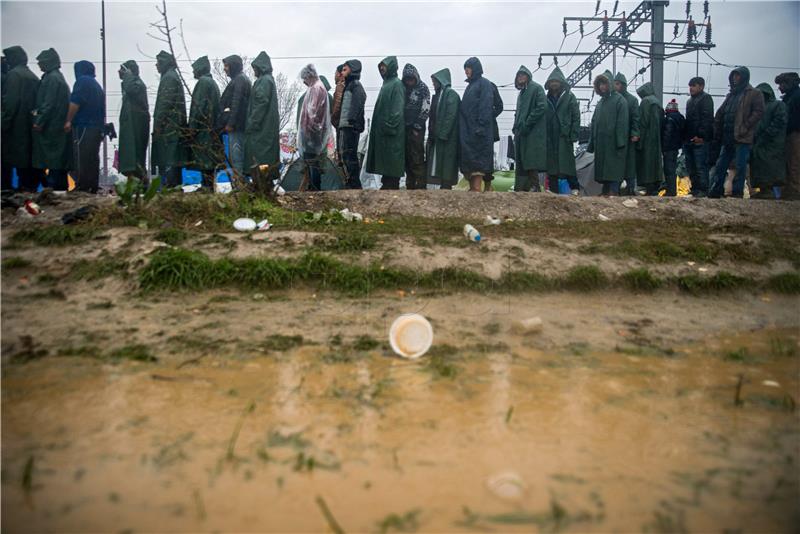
{"points": [[235, 98], [700, 117], [358, 98], [792, 101], [672, 131]]}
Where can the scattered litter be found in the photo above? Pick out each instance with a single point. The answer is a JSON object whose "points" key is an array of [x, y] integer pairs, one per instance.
{"points": [[32, 207], [653, 210], [690, 263], [80, 214], [264, 225], [492, 220], [702, 269], [771, 384], [198, 223], [508, 485], [603, 217], [277, 189], [471, 233], [531, 325], [411, 336], [350, 216], [630, 203], [244, 224], [191, 188]]}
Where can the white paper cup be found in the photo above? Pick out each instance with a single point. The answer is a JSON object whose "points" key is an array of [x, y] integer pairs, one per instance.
{"points": [[411, 336], [244, 225]]}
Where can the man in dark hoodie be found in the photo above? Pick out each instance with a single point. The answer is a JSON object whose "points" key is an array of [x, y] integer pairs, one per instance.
{"points": [[734, 129], [85, 119], [169, 123], [51, 144], [19, 99], [699, 135], [233, 110], [350, 121], [672, 136], [205, 149], [134, 122], [768, 160], [417, 108], [621, 87], [476, 126], [789, 85], [563, 125]]}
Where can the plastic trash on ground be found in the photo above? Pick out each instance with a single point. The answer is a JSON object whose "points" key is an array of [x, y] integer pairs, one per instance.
{"points": [[630, 203], [264, 225], [351, 216], [471, 233], [531, 325], [492, 220], [245, 225], [508, 485], [603, 217], [411, 336]]}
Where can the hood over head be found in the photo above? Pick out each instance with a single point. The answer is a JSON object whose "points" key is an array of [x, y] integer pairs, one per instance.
{"points": [[792, 79], [766, 90], [443, 77], [325, 82], [235, 64], [309, 72], [15, 56], [49, 59], [391, 67], [524, 70], [623, 80], [606, 76], [744, 72], [355, 69], [201, 67], [132, 66], [558, 76], [645, 90], [165, 61], [84, 68], [410, 72], [262, 64], [477, 69]]}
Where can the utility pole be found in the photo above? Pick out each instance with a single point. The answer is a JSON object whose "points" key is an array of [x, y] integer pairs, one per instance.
{"points": [[105, 99], [657, 48]]}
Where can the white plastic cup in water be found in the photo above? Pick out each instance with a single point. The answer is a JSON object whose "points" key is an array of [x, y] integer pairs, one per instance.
{"points": [[411, 336], [471, 233]]}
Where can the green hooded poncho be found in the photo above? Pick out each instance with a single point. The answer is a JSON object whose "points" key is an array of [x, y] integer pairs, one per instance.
{"points": [[134, 123], [386, 154], [52, 147], [206, 149], [563, 125], [649, 165], [633, 124], [768, 159], [19, 100], [443, 147], [169, 117], [262, 130], [609, 138], [530, 126]]}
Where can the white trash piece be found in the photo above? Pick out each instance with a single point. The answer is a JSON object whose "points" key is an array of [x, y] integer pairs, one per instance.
{"points": [[264, 225], [603, 217], [508, 486], [492, 220], [471, 233], [531, 325], [411, 335], [630, 203], [245, 225]]}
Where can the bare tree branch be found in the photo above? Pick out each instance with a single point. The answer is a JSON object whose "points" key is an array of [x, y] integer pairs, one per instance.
{"points": [[166, 30], [183, 41]]}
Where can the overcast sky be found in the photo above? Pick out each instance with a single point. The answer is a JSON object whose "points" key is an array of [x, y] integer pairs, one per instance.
{"points": [[762, 35]]}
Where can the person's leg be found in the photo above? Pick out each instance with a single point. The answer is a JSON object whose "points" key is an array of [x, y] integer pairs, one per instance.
{"points": [[742, 156], [721, 171], [314, 175], [207, 183], [6, 180], [671, 173], [522, 181], [236, 151], [611, 189], [630, 187], [534, 181], [349, 155], [87, 158], [552, 183], [390, 182], [701, 165], [415, 159], [57, 180], [487, 183]]}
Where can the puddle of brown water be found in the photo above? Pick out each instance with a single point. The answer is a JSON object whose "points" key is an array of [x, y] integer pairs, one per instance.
{"points": [[600, 442]]}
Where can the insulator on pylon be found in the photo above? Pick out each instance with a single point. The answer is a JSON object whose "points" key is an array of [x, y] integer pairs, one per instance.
{"points": [[605, 26], [705, 8], [564, 26], [691, 31], [642, 70], [675, 31], [616, 5], [623, 25], [580, 27], [540, 62], [688, 8], [708, 31], [555, 61]]}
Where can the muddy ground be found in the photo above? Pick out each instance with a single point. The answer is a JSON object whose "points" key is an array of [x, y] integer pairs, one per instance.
{"points": [[663, 401]]}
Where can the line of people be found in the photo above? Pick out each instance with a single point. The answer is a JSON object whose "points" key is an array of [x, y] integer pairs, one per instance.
{"points": [[47, 126]]}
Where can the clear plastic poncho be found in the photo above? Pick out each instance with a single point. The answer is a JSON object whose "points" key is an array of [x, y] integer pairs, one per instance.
{"points": [[315, 121]]}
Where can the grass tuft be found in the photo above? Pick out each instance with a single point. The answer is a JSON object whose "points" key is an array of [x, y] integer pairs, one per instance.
{"points": [[139, 353], [15, 262], [585, 277], [640, 280], [695, 283], [47, 236], [172, 236], [788, 283]]}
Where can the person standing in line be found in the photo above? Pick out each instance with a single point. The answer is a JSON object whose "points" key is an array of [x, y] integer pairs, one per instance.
{"points": [[442, 146], [563, 125], [386, 153], [262, 125], [789, 85], [350, 121], [621, 87], [476, 126], [699, 136], [206, 150], [610, 135], [169, 123], [315, 125], [85, 119], [233, 104], [530, 132], [417, 108], [649, 164], [19, 100], [768, 160], [52, 149], [672, 135], [134, 122]]}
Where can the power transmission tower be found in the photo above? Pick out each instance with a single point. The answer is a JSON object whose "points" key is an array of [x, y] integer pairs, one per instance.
{"points": [[655, 49]]}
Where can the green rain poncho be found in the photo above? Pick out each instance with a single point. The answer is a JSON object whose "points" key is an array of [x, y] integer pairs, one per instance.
{"points": [[530, 126], [443, 143], [262, 132], [386, 154], [206, 150], [52, 147], [768, 160], [134, 123], [633, 124], [19, 99], [609, 137], [649, 166], [563, 125], [169, 117]]}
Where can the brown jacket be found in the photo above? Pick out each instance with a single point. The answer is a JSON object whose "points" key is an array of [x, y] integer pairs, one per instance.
{"points": [[748, 114]]}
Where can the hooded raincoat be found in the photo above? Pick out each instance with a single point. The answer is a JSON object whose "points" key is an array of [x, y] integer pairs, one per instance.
{"points": [[476, 122], [610, 133], [169, 117], [386, 153], [768, 160], [134, 123], [52, 147], [649, 167], [737, 119], [315, 119], [204, 143], [633, 124], [351, 114], [236, 96], [262, 139], [530, 126], [327, 85], [563, 125], [442, 149], [418, 99], [19, 99]]}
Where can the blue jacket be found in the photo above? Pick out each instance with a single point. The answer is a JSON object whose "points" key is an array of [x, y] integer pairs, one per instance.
{"points": [[88, 94]]}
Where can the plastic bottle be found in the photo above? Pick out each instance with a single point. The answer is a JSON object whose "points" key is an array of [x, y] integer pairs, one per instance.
{"points": [[471, 233]]}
